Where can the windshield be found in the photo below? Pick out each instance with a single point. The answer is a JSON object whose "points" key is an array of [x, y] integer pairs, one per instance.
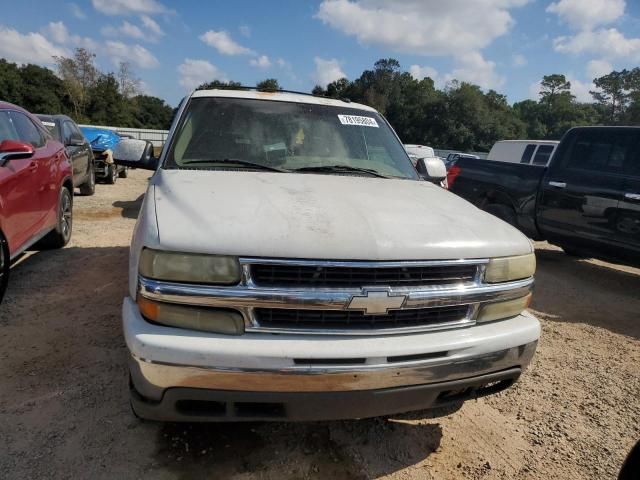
{"points": [[286, 136], [50, 125]]}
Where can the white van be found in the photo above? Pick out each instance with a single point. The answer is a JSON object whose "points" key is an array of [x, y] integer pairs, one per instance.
{"points": [[419, 151], [531, 152]]}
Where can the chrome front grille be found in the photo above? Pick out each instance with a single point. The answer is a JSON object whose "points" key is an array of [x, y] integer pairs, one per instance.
{"points": [[355, 276], [317, 297], [281, 318]]}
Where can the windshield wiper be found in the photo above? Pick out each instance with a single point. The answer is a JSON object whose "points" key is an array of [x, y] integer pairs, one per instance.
{"points": [[341, 169], [236, 161]]}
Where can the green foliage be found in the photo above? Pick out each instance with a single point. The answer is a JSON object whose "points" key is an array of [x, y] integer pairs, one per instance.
{"points": [[461, 116], [221, 85], [268, 85], [83, 93]]}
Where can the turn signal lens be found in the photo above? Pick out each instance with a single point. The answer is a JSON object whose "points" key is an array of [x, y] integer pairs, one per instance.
{"points": [[215, 320], [500, 310], [189, 267], [506, 269]]}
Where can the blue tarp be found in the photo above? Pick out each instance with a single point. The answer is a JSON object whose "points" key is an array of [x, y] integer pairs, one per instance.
{"points": [[100, 138]]}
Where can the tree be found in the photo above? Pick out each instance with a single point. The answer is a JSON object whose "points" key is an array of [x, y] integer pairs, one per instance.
{"points": [[268, 85], [231, 85], [151, 112], [107, 105], [79, 74], [554, 86], [611, 94], [128, 83], [41, 91], [11, 84]]}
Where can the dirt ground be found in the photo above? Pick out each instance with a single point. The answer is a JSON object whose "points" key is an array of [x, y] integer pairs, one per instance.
{"points": [[64, 409]]}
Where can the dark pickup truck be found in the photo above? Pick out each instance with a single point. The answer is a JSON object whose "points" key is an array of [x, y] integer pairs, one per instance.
{"points": [[587, 200]]}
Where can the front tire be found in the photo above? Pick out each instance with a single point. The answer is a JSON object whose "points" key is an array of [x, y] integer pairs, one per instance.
{"points": [[61, 235], [112, 174], [89, 187], [5, 265]]}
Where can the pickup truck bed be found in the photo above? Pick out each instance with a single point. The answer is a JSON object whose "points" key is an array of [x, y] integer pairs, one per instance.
{"points": [[587, 200]]}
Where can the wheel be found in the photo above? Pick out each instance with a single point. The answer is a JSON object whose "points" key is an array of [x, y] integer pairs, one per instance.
{"points": [[89, 187], [123, 173], [503, 212], [61, 235], [112, 174], [5, 265]]}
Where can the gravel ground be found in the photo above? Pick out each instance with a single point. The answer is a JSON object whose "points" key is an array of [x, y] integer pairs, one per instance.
{"points": [[64, 403]]}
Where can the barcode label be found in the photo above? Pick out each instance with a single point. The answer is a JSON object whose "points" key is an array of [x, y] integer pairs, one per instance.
{"points": [[359, 121]]}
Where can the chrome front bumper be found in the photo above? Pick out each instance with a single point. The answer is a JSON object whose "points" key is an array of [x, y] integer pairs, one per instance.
{"points": [[151, 378]]}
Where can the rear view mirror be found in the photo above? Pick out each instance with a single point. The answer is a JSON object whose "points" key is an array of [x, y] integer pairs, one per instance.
{"points": [[431, 169], [14, 150], [135, 154], [76, 140]]}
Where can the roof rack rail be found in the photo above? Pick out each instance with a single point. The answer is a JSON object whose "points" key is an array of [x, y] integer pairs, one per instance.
{"points": [[280, 90]]}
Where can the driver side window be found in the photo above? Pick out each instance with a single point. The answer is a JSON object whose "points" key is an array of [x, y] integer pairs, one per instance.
{"points": [[27, 131], [67, 132], [7, 130]]}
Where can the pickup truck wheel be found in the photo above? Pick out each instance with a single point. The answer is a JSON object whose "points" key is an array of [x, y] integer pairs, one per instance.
{"points": [[112, 174], [503, 212], [88, 188], [60, 235], [123, 173], [5, 265]]}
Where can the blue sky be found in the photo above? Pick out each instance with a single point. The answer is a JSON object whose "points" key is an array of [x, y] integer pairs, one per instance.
{"points": [[502, 44]]}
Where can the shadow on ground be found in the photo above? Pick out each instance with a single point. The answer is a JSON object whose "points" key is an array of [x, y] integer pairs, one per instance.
{"points": [[130, 209], [323, 450], [590, 290]]}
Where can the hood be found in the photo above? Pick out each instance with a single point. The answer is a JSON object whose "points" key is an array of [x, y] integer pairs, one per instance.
{"points": [[312, 216], [100, 138]]}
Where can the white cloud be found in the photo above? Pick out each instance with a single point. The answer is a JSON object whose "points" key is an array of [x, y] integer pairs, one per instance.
{"points": [[196, 72], [261, 62], [223, 42], [28, 48], [58, 32], [150, 30], [77, 12], [151, 25], [245, 30], [581, 90], [327, 71], [128, 7], [519, 60], [131, 30], [419, 73], [586, 14], [598, 68], [608, 43], [472, 67], [137, 55], [422, 27]]}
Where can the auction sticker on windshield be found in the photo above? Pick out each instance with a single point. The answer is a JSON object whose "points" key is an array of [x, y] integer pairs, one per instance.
{"points": [[357, 120]]}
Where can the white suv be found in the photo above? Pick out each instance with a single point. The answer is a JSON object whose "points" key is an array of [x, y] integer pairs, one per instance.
{"points": [[289, 263]]}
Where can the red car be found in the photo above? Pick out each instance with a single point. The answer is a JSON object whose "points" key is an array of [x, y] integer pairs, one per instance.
{"points": [[36, 188]]}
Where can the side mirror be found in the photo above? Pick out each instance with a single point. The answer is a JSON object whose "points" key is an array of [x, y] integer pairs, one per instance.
{"points": [[76, 141], [135, 154], [431, 169], [14, 150]]}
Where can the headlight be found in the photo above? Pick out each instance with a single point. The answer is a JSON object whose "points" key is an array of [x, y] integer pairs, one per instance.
{"points": [[506, 269], [216, 320], [500, 310], [189, 267]]}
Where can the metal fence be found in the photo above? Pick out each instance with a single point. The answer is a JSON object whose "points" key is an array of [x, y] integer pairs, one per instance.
{"points": [[157, 137]]}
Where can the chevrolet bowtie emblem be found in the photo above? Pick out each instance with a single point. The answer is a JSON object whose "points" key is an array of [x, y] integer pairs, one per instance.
{"points": [[376, 302]]}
